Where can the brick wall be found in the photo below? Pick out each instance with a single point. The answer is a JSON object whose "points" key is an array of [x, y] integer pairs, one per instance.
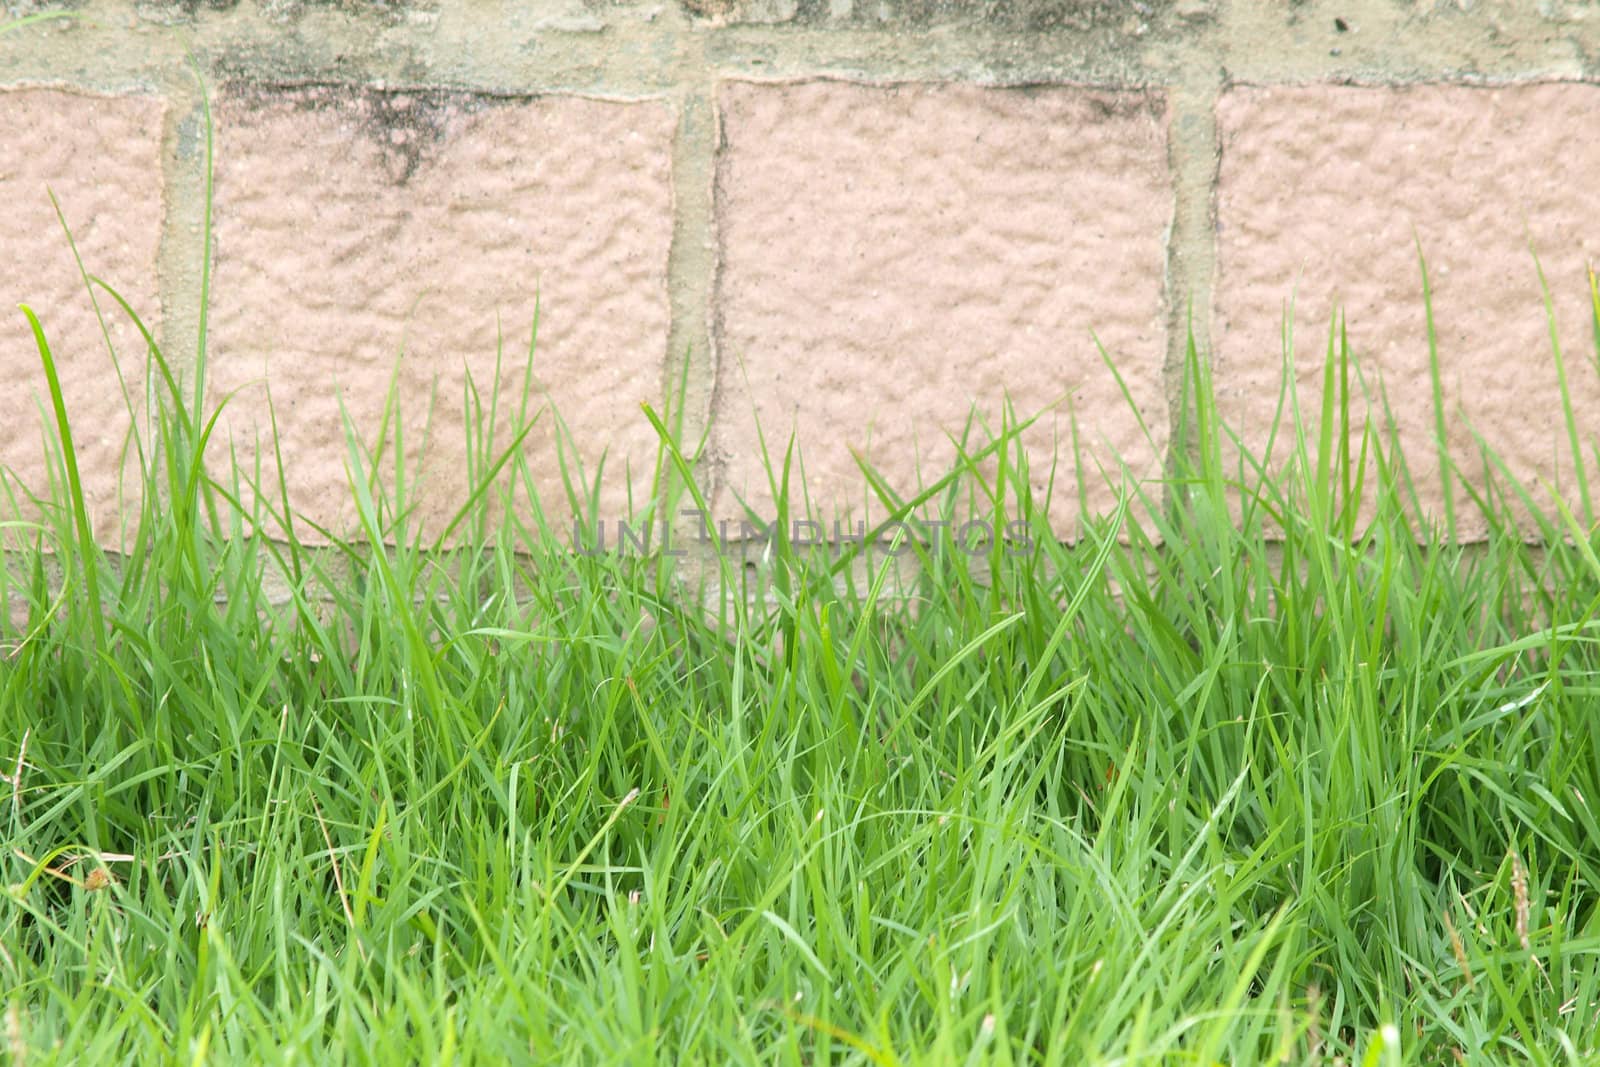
{"points": [[852, 220]]}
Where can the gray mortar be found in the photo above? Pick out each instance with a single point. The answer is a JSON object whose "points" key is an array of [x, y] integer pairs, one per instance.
{"points": [[178, 256], [690, 370]]}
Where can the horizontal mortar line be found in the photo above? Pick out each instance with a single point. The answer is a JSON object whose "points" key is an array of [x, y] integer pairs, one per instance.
{"points": [[1510, 77], [132, 82], [897, 77], [612, 89], [663, 92], [615, 88], [1169, 73]]}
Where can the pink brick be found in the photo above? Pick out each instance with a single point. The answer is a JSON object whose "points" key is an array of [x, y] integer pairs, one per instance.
{"points": [[892, 256], [354, 226], [1321, 193], [101, 156]]}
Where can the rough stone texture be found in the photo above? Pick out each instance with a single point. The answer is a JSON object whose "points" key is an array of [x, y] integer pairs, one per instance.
{"points": [[354, 226], [1322, 189], [102, 158], [891, 256], [1554, 10], [172, 11], [1012, 15], [1266, 42]]}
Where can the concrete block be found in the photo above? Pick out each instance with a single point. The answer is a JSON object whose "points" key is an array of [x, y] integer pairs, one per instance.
{"points": [[1325, 195], [101, 157], [365, 236], [892, 257]]}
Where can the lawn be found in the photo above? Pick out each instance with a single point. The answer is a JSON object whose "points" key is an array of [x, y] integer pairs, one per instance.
{"points": [[1258, 766]]}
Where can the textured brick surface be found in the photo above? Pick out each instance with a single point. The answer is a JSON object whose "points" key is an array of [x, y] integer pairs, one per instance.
{"points": [[354, 226], [102, 158], [1322, 188], [891, 256]]}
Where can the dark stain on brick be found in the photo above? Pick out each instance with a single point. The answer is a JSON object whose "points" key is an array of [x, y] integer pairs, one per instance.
{"points": [[405, 126], [1106, 106]]}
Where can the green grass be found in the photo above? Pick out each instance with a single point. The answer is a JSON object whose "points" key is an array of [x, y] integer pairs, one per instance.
{"points": [[1243, 775]]}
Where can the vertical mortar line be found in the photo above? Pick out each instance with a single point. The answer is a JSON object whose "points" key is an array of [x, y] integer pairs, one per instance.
{"points": [[178, 259], [689, 374], [1193, 155], [182, 179]]}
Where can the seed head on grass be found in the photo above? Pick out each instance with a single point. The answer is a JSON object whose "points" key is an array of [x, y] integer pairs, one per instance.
{"points": [[1519, 892], [1458, 949]]}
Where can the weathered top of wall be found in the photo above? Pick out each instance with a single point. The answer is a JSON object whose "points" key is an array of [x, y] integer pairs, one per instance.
{"points": [[597, 45]]}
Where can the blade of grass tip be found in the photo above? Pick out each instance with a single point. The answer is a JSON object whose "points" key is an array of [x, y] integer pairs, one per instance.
{"points": [[485, 483], [421, 658], [1580, 538], [1594, 301], [1394, 472], [160, 441], [382, 440], [573, 867], [909, 507], [678, 407], [1494, 465], [1079, 465], [672, 415], [487, 432], [869, 606], [1566, 393], [1122, 385], [1013, 478], [1206, 447], [1182, 433], [525, 394], [1447, 478], [1088, 581], [162, 365], [197, 490], [473, 429], [1284, 407], [972, 473], [573, 479], [1355, 468], [1321, 490], [956, 660], [105, 331], [681, 464], [80, 513], [289, 535], [785, 565], [1346, 505]]}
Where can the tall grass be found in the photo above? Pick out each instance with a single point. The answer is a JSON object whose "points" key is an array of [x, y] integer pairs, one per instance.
{"points": [[1244, 774]]}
